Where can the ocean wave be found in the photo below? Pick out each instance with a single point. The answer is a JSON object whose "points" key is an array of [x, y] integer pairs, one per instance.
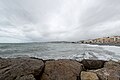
{"points": [[62, 51]]}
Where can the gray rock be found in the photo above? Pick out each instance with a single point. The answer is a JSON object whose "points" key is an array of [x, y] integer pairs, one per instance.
{"points": [[111, 71], [20, 69], [62, 70], [26, 77]]}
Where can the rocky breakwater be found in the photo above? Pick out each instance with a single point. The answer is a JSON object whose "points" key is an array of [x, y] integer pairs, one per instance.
{"points": [[63, 69]]}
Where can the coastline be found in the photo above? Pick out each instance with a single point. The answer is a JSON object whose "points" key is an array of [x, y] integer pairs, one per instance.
{"points": [[109, 44], [31, 68], [106, 44]]}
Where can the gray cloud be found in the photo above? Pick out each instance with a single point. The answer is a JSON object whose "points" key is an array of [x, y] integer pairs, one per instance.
{"points": [[47, 20]]}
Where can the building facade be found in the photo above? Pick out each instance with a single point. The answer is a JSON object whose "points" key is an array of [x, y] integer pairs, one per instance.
{"points": [[114, 39]]}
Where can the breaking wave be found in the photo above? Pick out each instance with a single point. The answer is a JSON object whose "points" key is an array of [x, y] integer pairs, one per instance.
{"points": [[60, 51]]}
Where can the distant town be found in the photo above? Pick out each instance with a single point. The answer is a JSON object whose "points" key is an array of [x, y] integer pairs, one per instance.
{"points": [[104, 40], [114, 40]]}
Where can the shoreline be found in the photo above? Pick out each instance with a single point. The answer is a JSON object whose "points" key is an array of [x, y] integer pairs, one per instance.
{"points": [[104, 44], [32, 68]]}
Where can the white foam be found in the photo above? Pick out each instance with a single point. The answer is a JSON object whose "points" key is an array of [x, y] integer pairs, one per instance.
{"points": [[103, 56]]}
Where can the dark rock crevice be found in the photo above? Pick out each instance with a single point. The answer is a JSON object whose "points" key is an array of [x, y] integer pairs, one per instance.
{"points": [[93, 64], [38, 77], [78, 78]]}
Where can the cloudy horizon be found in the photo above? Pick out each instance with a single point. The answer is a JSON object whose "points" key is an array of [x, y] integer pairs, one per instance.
{"points": [[58, 20]]}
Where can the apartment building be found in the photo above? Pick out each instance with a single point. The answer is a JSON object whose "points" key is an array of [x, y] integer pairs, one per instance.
{"points": [[114, 39]]}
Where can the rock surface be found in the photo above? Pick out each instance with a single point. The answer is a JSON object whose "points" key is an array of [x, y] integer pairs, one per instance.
{"points": [[62, 70], [27, 77], [36, 69], [88, 76], [20, 69], [92, 64], [111, 71]]}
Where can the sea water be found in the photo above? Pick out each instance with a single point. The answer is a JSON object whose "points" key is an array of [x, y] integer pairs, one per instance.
{"points": [[60, 51]]}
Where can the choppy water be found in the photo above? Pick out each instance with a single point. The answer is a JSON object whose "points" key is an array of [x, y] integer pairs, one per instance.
{"points": [[60, 51]]}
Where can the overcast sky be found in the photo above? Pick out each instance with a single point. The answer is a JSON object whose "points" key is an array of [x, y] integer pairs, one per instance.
{"points": [[49, 20]]}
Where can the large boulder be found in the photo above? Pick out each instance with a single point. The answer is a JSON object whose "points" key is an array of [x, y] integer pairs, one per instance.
{"points": [[111, 71], [20, 69], [92, 64], [62, 70], [88, 76]]}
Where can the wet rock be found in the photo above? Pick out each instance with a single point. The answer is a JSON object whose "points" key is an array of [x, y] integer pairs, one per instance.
{"points": [[111, 71], [20, 69], [92, 64], [62, 70], [88, 76]]}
